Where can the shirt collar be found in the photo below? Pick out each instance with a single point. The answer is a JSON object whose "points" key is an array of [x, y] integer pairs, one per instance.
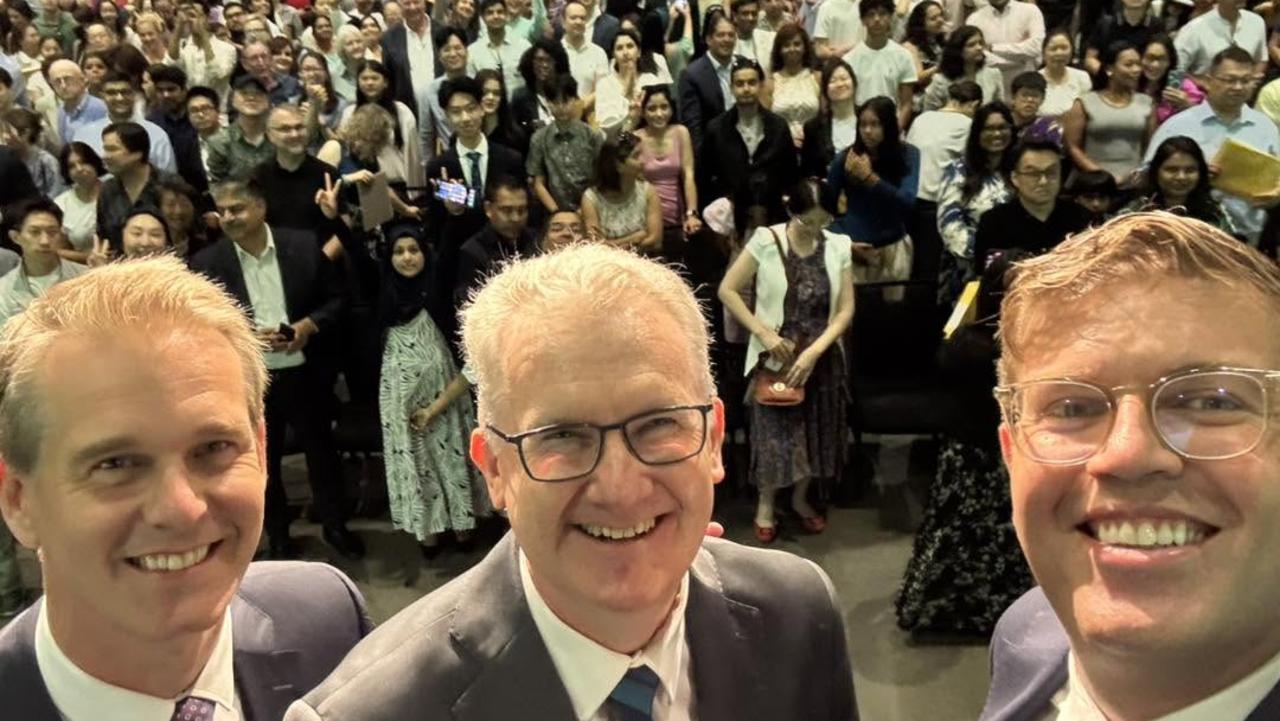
{"points": [[1234, 702], [267, 252], [78, 695], [482, 148], [1210, 117], [590, 671]]}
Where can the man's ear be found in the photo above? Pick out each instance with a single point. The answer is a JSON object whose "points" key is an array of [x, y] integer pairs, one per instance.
{"points": [[715, 440], [15, 506], [486, 459], [1006, 444]]}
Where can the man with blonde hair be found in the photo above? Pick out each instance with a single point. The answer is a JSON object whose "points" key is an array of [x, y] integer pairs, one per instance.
{"points": [[600, 437], [139, 483], [1138, 380]]}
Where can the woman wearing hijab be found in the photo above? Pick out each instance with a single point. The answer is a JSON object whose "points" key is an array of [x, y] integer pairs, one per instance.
{"points": [[426, 411]]}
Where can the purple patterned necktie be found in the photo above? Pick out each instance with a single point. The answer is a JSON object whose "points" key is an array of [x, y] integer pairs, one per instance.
{"points": [[194, 708]]}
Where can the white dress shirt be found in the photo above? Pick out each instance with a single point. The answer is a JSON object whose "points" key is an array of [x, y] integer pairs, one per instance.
{"points": [[724, 73], [215, 74], [590, 671], [266, 297], [465, 162], [422, 58], [1234, 703], [839, 23], [1014, 36], [587, 64], [940, 136], [81, 697], [483, 55], [1202, 38]]}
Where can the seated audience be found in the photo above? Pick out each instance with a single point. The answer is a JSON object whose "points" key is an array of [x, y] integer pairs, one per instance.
{"points": [[803, 281], [878, 176], [152, 608], [1226, 114], [971, 186], [1064, 83], [939, 136], [1178, 177], [1107, 129], [1034, 220], [82, 170], [964, 58], [836, 126], [425, 408], [667, 154], [562, 154], [642, 601], [622, 208], [1147, 519], [35, 228], [794, 90]]}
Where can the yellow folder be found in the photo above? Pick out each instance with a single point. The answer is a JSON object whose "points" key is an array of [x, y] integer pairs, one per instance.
{"points": [[966, 310], [1245, 170]]}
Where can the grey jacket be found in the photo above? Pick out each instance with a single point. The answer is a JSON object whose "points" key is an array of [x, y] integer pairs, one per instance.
{"points": [[766, 639], [293, 623]]}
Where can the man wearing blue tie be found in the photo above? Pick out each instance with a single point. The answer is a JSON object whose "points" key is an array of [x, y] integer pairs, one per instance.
{"points": [[600, 437], [131, 407]]}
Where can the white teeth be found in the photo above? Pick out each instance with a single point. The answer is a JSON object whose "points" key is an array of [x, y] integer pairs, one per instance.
{"points": [[165, 562], [1149, 533], [619, 533]]}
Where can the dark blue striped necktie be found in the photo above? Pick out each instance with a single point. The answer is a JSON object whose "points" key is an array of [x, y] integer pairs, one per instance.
{"points": [[632, 698]]}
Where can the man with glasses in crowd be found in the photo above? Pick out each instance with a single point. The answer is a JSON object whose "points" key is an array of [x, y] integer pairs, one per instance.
{"points": [[121, 96], [600, 437], [1140, 366], [1226, 114], [77, 107]]}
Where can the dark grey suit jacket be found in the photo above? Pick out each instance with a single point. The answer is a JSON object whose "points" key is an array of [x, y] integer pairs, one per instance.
{"points": [[293, 623], [1029, 664], [765, 634], [701, 101], [395, 54]]}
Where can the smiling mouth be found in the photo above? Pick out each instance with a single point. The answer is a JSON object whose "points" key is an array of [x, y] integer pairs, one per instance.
{"points": [[1148, 533], [615, 534], [172, 562]]}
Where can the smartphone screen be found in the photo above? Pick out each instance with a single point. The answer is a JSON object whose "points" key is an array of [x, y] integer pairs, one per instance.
{"points": [[454, 193]]}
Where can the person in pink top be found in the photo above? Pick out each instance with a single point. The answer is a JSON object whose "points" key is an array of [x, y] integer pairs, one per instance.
{"points": [[668, 165]]}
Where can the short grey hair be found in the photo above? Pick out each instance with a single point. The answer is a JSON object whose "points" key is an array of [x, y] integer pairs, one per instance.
{"points": [[126, 294], [590, 280]]}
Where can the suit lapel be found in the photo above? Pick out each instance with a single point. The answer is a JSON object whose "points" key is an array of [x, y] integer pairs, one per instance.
{"points": [[720, 631], [515, 677], [262, 671], [23, 692], [234, 274]]}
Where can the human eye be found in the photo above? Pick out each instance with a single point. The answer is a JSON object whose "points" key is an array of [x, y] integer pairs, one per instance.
{"points": [[114, 470], [561, 439]]}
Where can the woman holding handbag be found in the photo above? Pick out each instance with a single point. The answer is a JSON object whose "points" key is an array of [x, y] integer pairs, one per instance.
{"points": [[797, 392]]}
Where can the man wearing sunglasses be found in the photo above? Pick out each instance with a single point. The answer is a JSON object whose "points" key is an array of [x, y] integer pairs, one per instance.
{"points": [[1140, 372], [600, 437]]}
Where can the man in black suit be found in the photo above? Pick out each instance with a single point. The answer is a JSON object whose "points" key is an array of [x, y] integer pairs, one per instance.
{"points": [[150, 593], [748, 152], [507, 236], [704, 88], [409, 52], [472, 161], [295, 298]]}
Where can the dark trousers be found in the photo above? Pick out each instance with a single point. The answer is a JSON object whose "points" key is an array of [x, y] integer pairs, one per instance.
{"points": [[926, 240], [298, 398]]}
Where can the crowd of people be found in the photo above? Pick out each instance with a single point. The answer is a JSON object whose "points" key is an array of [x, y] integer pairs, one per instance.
{"points": [[352, 172]]}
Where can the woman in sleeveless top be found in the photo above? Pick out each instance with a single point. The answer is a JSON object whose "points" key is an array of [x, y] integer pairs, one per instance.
{"points": [[1108, 129], [795, 92], [623, 208], [668, 166]]}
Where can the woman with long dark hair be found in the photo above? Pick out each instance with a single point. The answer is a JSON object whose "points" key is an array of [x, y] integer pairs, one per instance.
{"points": [[540, 65], [878, 176], [971, 186], [1178, 177], [794, 92], [1108, 128], [667, 155], [623, 207], [630, 73], [404, 153], [1171, 90], [964, 57], [836, 126], [926, 31], [323, 107], [499, 126]]}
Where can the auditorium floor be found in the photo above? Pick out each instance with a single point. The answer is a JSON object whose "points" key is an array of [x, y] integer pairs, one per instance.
{"points": [[895, 681]]}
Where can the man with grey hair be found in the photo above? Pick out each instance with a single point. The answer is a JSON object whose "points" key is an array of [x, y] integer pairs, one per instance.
{"points": [[140, 487], [600, 437]]}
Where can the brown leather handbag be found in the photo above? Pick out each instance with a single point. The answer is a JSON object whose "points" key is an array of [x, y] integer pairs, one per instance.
{"points": [[770, 387]]}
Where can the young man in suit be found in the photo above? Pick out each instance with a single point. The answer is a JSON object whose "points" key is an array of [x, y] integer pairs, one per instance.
{"points": [[705, 91], [294, 295], [600, 437], [1138, 371], [472, 161], [141, 490]]}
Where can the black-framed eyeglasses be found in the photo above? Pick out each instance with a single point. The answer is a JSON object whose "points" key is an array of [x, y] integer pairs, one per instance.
{"points": [[1214, 413], [569, 451]]}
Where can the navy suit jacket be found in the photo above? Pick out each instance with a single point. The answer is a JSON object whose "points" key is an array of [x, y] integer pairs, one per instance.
{"points": [[293, 622], [1029, 664], [765, 637], [700, 100], [395, 55]]}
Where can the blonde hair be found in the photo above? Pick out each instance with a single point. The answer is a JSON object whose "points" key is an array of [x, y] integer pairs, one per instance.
{"points": [[1136, 246], [588, 280], [126, 294], [150, 17], [367, 131]]}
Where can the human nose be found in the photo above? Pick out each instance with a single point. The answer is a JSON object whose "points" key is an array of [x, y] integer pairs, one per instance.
{"points": [[174, 501], [1133, 450], [619, 479]]}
